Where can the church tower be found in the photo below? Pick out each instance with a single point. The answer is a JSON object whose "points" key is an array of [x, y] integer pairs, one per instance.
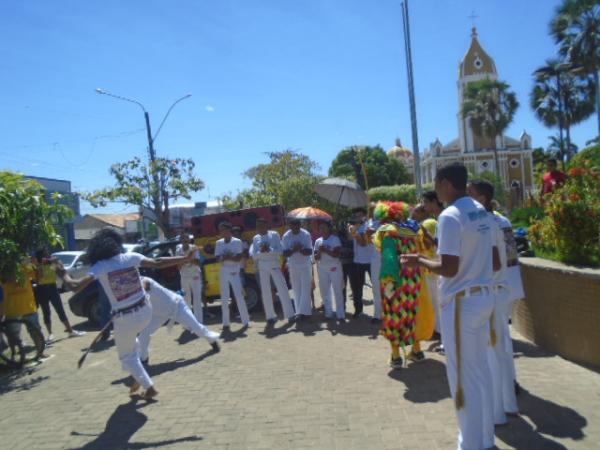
{"points": [[476, 65]]}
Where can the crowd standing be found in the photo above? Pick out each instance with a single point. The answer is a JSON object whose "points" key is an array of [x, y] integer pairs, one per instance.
{"points": [[446, 269]]}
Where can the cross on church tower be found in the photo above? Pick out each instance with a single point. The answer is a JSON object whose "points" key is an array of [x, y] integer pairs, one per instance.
{"points": [[473, 16]]}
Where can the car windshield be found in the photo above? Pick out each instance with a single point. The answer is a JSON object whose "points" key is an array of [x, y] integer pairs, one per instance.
{"points": [[67, 260]]}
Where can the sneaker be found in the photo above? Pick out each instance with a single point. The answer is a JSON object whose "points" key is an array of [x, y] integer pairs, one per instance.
{"points": [[416, 356], [396, 363], [76, 333], [215, 346], [375, 320], [272, 321], [145, 362], [50, 339]]}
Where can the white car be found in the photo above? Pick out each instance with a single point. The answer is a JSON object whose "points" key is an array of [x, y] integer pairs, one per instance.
{"points": [[75, 264]]}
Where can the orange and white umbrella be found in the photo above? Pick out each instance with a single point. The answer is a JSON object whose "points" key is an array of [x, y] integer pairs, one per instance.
{"points": [[308, 213]]}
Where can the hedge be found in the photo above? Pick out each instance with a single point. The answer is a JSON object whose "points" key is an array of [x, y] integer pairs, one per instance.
{"points": [[400, 192]]}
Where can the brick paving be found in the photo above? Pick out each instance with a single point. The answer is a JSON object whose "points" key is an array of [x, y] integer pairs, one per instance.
{"points": [[313, 385]]}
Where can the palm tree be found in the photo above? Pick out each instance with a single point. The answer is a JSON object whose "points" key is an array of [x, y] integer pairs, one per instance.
{"points": [[491, 107], [576, 29], [560, 98]]}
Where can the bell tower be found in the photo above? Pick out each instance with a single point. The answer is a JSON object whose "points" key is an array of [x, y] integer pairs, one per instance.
{"points": [[476, 65]]}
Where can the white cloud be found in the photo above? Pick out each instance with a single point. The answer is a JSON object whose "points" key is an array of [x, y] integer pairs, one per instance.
{"points": [[209, 108]]}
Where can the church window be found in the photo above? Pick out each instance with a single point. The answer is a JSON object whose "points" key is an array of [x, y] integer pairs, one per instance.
{"points": [[514, 163]]}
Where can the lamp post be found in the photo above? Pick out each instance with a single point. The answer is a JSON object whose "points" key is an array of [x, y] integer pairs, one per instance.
{"points": [[411, 94], [157, 194]]}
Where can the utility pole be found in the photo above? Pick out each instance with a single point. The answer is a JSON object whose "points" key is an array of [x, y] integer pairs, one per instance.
{"points": [[411, 94]]}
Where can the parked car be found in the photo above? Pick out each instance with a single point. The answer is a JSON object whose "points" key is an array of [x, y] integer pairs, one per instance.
{"points": [[87, 302], [75, 263]]}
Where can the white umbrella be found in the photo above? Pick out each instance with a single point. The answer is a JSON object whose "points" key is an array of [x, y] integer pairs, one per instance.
{"points": [[342, 192]]}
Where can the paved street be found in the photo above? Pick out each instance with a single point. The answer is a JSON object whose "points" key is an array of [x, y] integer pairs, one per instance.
{"points": [[312, 385]]}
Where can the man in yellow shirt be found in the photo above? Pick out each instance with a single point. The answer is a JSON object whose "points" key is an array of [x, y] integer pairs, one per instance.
{"points": [[19, 300]]}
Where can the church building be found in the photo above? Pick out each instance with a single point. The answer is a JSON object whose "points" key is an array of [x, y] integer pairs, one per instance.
{"points": [[477, 152]]}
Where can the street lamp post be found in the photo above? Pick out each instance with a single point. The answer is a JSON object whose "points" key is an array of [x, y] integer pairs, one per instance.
{"points": [[157, 194]]}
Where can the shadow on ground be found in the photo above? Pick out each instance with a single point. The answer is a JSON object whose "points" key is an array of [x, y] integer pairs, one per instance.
{"points": [[19, 380], [123, 423], [415, 377], [548, 419]]}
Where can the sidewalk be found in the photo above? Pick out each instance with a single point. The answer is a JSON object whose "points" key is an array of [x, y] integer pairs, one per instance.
{"points": [[313, 385]]}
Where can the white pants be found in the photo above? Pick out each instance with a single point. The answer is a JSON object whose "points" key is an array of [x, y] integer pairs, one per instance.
{"points": [[434, 293], [231, 276], [501, 361], [126, 328], [475, 419], [376, 283], [192, 287], [508, 348], [266, 271], [301, 278], [332, 278], [183, 315]]}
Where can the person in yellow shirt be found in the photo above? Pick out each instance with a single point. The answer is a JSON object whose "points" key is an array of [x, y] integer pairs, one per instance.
{"points": [[19, 300], [46, 292]]}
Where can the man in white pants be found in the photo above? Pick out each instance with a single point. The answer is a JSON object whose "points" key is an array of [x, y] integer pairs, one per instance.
{"points": [[375, 271], [500, 361], [229, 252], [297, 248], [266, 251], [191, 276], [466, 267], [329, 266], [169, 306]]}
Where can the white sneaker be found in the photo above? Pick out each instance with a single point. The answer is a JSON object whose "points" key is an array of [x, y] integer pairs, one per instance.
{"points": [[50, 338], [76, 333]]}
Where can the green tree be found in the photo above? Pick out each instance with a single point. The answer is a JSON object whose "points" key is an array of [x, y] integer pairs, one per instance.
{"points": [[27, 221], [288, 179], [381, 169], [153, 186], [561, 98], [490, 106], [576, 29]]}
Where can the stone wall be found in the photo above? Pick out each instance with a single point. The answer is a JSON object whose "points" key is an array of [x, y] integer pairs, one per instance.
{"points": [[561, 312]]}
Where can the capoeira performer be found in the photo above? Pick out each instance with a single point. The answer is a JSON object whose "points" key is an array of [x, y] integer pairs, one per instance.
{"points": [[168, 306], [229, 252], [500, 355], [297, 248], [466, 267], [191, 276], [375, 271], [266, 251], [329, 266], [118, 275]]}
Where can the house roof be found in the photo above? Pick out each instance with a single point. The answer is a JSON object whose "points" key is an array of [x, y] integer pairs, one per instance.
{"points": [[116, 220]]}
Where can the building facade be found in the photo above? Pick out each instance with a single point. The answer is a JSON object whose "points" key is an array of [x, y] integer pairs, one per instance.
{"points": [[477, 152]]}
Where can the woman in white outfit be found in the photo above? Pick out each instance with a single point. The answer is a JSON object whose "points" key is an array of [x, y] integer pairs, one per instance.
{"points": [[191, 276], [329, 266], [170, 306], [120, 279]]}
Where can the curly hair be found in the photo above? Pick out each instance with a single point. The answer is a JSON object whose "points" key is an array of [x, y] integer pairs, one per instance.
{"points": [[391, 211], [105, 244]]}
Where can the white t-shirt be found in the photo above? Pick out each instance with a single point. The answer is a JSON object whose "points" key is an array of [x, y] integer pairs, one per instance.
{"points": [[330, 243], [363, 253], [120, 279], [232, 248], [513, 269], [498, 242], [164, 301], [188, 270], [290, 240], [465, 230], [275, 250]]}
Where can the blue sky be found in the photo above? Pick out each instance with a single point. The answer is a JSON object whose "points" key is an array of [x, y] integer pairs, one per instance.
{"points": [[266, 75]]}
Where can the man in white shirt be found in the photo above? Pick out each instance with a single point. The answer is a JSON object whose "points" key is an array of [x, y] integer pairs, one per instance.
{"points": [[329, 266], [363, 254], [266, 251], [229, 251], [499, 360], [171, 307], [466, 266], [297, 248], [191, 276]]}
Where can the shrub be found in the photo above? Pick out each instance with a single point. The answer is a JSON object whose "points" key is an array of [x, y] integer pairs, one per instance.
{"points": [[400, 192], [570, 227], [588, 157], [524, 217]]}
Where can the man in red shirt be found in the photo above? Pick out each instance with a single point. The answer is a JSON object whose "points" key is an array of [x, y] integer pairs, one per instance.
{"points": [[553, 178]]}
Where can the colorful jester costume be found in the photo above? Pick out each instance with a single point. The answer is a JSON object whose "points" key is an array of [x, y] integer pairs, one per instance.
{"points": [[400, 286]]}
